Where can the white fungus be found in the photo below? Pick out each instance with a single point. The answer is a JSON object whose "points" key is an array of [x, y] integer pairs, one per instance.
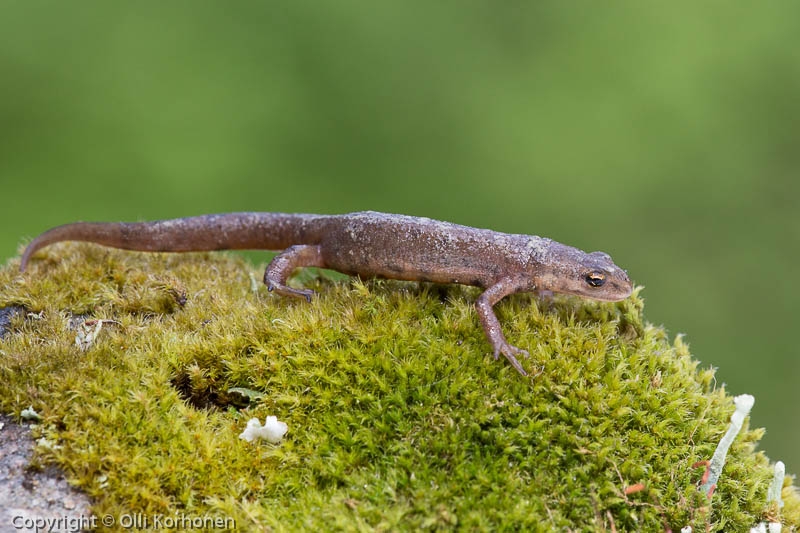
{"points": [[272, 431]]}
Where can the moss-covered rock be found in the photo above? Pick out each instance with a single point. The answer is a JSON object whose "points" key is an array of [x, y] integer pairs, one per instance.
{"points": [[399, 418]]}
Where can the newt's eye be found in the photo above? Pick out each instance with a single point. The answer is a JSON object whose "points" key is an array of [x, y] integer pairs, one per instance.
{"points": [[595, 278]]}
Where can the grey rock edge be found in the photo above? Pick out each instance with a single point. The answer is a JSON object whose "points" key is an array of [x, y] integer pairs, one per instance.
{"points": [[30, 497]]}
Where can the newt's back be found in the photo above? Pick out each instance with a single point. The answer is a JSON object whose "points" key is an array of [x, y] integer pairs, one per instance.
{"points": [[419, 249]]}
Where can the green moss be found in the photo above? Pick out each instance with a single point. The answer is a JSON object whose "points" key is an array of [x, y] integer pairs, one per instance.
{"points": [[399, 418]]}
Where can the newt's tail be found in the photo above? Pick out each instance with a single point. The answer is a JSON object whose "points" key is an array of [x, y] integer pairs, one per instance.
{"points": [[230, 231]]}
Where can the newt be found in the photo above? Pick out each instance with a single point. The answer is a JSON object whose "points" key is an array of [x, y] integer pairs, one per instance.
{"points": [[371, 244]]}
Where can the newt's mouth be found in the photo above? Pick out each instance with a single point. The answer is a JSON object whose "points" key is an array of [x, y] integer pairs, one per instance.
{"points": [[614, 298], [613, 292], [620, 287], [618, 291]]}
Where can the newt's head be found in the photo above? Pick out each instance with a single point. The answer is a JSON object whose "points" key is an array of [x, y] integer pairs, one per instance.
{"points": [[590, 275]]}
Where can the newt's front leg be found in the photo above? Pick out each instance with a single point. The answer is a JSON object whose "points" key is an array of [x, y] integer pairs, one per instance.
{"points": [[490, 323], [286, 262]]}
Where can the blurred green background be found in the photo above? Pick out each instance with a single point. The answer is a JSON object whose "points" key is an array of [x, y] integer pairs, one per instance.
{"points": [[663, 133]]}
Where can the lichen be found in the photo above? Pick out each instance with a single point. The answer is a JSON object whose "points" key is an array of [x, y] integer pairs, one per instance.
{"points": [[743, 403], [400, 417]]}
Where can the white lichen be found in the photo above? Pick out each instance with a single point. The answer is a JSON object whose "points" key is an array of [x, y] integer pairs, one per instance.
{"points": [[48, 444], [774, 492], [30, 414], [272, 431], [687, 529], [773, 495], [744, 403], [763, 527]]}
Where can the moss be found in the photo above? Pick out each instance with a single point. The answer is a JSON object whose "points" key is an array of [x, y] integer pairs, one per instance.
{"points": [[399, 418]]}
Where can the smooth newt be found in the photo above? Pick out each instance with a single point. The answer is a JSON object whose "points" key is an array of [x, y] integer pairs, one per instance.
{"points": [[374, 244]]}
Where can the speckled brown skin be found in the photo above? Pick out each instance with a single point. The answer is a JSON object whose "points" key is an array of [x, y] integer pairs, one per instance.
{"points": [[374, 244]]}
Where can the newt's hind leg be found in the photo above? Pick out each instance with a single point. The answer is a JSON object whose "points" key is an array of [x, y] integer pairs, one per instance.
{"points": [[286, 262]]}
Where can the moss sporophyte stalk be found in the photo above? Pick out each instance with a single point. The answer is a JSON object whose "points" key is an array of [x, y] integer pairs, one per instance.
{"points": [[399, 418]]}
